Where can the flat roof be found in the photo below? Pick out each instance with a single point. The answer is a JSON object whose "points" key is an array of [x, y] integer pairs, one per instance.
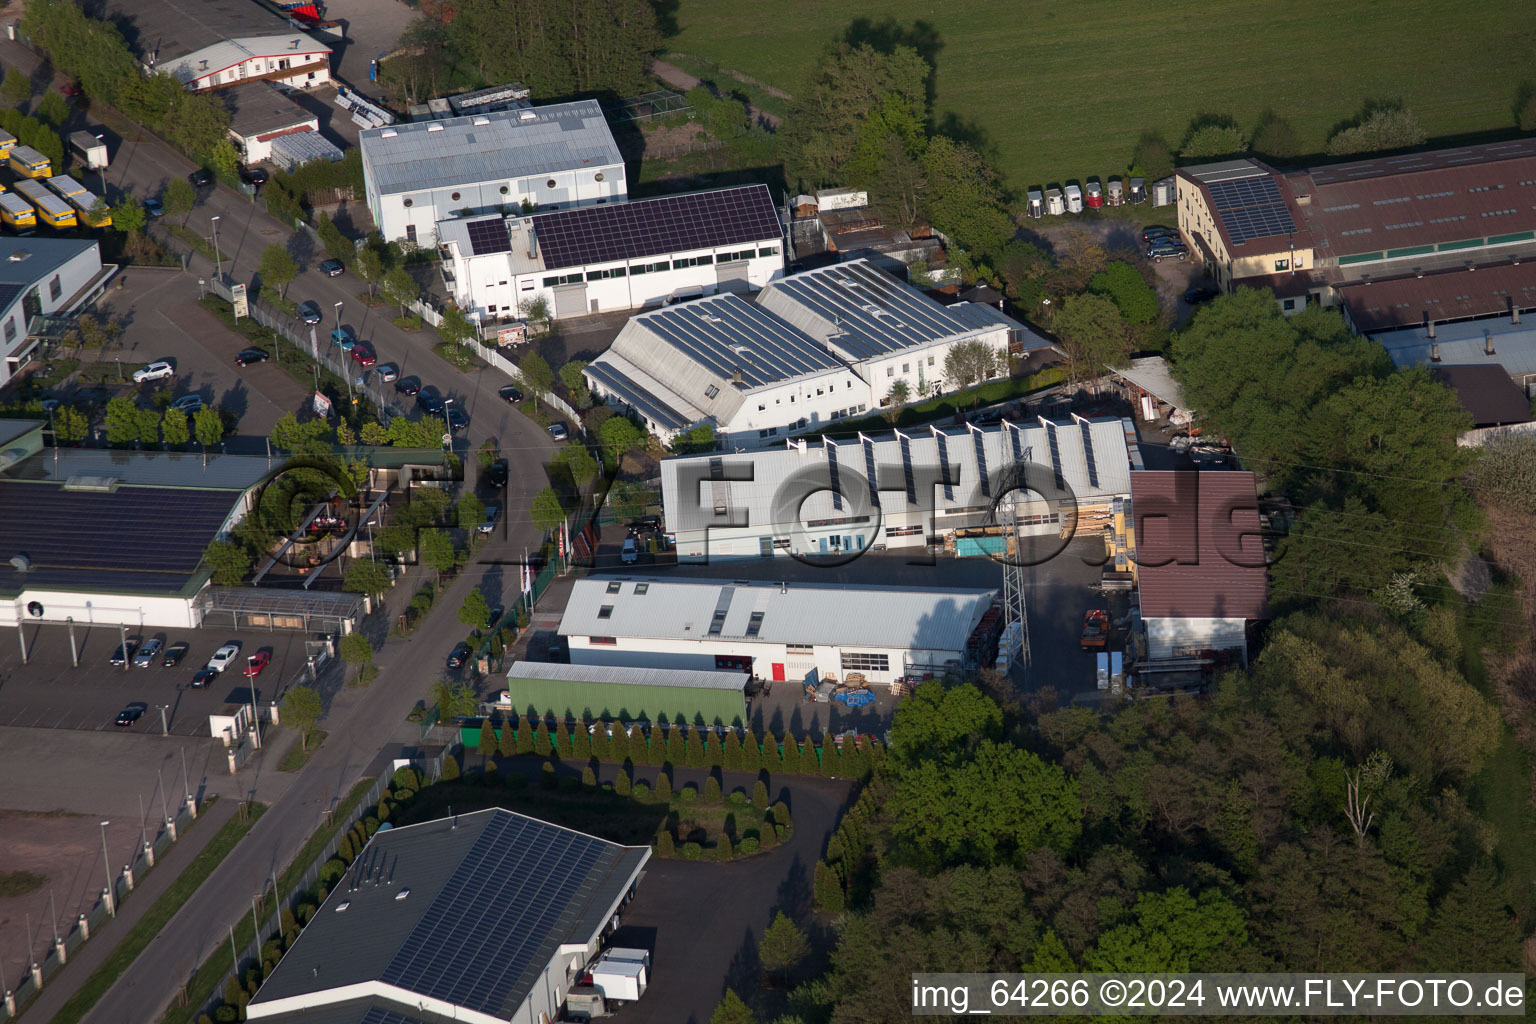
{"points": [[488, 900], [895, 618], [1464, 343], [1486, 393], [176, 28], [26, 261], [1456, 294], [495, 146], [261, 107], [1209, 520], [1091, 456], [151, 469], [693, 679]]}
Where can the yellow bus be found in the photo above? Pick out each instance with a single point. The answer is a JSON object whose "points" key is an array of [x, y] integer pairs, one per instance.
{"points": [[65, 186], [86, 209], [7, 143], [52, 210], [29, 163], [17, 214]]}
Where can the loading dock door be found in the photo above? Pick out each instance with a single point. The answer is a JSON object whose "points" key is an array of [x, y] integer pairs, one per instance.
{"points": [[732, 277], [571, 300]]}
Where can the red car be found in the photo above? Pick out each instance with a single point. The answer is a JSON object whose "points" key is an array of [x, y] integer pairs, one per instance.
{"points": [[71, 90], [255, 663], [363, 355]]}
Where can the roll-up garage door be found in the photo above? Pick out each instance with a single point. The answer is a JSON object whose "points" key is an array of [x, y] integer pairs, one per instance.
{"points": [[571, 301], [732, 277]]}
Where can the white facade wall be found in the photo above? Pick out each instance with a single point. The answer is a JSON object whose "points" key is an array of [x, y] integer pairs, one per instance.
{"points": [[53, 292], [256, 148], [922, 367], [486, 285], [1168, 638], [768, 415], [133, 611], [311, 68], [414, 215], [773, 661]]}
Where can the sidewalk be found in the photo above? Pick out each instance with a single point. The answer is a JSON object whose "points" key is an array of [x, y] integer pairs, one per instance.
{"points": [[105, 940]]}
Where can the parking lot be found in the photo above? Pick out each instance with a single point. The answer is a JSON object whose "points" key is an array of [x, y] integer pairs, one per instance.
{"points": [[50, 693]]}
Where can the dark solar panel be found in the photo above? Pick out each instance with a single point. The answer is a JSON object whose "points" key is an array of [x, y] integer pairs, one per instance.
{"points": [[981, 462], [377, 1015], [1093, 467], [486, 926], [652, 227], [1050, 437], [837, 490], [1014, 440], [1251, 208], [488, 236], [943, 439], [906, 470], [869, 469]]}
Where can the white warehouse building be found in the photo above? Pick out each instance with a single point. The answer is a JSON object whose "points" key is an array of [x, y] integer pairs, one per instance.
{"points": [[800, 632], [553, 157], [615, 256], [814, 348], [890, 489]]}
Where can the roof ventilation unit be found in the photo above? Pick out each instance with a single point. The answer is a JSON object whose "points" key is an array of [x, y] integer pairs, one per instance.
{"points": [[528, 115], [435, 126], [388, 133], [481, 121]]}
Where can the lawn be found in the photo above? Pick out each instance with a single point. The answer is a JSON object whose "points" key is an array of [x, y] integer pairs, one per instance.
{"points": [[1061, 91], [299, 756]]}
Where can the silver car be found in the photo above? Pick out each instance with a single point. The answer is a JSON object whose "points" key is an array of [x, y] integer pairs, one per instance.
{"points": [[148, 653], [224, 656]]}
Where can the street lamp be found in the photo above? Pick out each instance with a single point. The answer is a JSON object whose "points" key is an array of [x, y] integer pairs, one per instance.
{"points": [[107, 861], [218, 260], [336, 338]]}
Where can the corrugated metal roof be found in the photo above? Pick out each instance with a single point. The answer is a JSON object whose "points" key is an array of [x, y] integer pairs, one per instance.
{"points": [[760, 497], [227, 53], [508, 144], [1154, 376], [175, 28], [1408, 163], [1198, 517], [1486, 393], [619, 377], [893, 618], [1463, 344], [1441, 295], [622, 674]]}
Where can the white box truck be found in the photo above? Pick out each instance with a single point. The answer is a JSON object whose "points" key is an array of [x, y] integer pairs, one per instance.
{"points": [[620, 980], [90, 150], [634, 956]]}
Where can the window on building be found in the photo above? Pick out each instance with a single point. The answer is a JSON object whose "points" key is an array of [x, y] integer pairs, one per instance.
{"points": [[410, 232], [598, 176], [550, 183], [771, 250], [906, 367], [55, 288], [890, 371], [613, 586], [602, 641], [641, 589], [755, 623], [490, 309], [711, 391], [10, 328], [799, 649], [930, 360], [408, 202], [457, 196], [854, 661], [717, 623], [1282, 265], [603, 275], [605, 612], [761, 407]]}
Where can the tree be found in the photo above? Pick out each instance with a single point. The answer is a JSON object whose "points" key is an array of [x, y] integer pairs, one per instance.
{"points": [[229, 562], [784, 946], [1093, 333], [828, 889], [1152, 158], [899, 188], [538, 379], [208, 426], [1274, 137], [453, 700], [357, 649], [617, 437], [436, 551], [365, 576], [506, 740], [307, 437], [760, 795], [450, 768], [399, 288], [1123, 285], [968, 363], [456, 328], [369, 265], [695, 440], [471, 512], [147, 427], [17, 88], [486, 748], [1212, 136], [121, 421], [578, 464], [337, 247], [1379, 126], [174, 427], [70, 424], [546, 511], [277, 268], [178, 198], [302, 708], [1172, 932], [963, 198], [575, 383], [475, 610], [52, 110], [536, 310], [732, 1010], [128, 216], [897, 397]]}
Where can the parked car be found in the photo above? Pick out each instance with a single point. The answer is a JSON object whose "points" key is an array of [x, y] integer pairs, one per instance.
{"points": [[256, 663], [253, 176], [492, 513], [160, 369], [203, 677], [559, 432], [458, 419], [430, 400], [511, 395], [124, 652], [224, 656], [1158, 231], [132, 713], [497, 474], [1199, 294], [344, 337], [309, 312], [362, 354], [332, 268], [459, 655], [154, 207], [494, 615], [1162, 250], [629, 554], [188, 404], [251, 355], [147, 654], [408, 385], [174, 654], [202, 177], [387, 371]]}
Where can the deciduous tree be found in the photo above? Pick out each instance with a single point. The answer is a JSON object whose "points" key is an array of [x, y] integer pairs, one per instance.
{"points": [[302, 708]]}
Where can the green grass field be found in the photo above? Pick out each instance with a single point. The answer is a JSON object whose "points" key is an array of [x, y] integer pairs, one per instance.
{"points": [[1061, 91]]}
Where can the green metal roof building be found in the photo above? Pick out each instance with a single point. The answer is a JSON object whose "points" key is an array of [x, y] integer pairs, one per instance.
{"points": [[623, 693]]}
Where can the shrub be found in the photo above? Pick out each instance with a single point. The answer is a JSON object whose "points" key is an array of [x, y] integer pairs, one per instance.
{"points": [[663, 786], [760, 795], [548, 774], [1380, 126], [768, 837], [692, 851], [723, 849], [748, 844], [712, 790], [737, 797], [714, 754], [664, 844], [588, 777], [642, 790], [781, 813], [306, 911], [688, 794], [732, 752], [751, 753], [828, 889], [450, 768], [621, 784], [570, 784], [406, 780], [782, 833]]}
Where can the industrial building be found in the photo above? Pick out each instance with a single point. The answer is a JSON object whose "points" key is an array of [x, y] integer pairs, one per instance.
{"points": [[620, 693], [800, 632], [1503, 342], [840, 497], [1336, 232], [218, 44], [550, 158], [616, 256], [261, 116], [1199, 562], [484, 918], [814, 348], [43, 277]]}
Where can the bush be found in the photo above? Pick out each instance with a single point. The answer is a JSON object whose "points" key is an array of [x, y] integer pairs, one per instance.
{"points": [[723, 849], [737, 798], [406, 780], [782, 833], [688, 794], [621, 784], [549, 775], [642, 790], [588, 778], [748, 844], [1382, 126], [664, 844], [828, 889], [781, 813], [663, 786], [760, 795], [692, 851], [711, 790], [450, 768]]}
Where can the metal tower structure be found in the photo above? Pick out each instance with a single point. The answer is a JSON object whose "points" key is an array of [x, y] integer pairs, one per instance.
{"points": [[1015, 604]]}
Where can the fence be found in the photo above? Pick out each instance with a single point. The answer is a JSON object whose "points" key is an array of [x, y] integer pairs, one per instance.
{"points": [[273, 927], [85, 924]]}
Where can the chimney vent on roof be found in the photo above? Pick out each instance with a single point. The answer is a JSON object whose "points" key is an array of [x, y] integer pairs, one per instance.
{"points": [[1514, 311], [784, 586], [295, 45], [1418, 271], [1487, 342], [1431, 327], [1434, 351]]}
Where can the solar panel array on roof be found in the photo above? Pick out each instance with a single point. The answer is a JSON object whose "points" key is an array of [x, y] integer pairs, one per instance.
{"points": [[943, 440], [1050, 439], [979, 439], [1093, 467], [869, 471], [475, 920], [1251, 208], [906, 468], [651, 227], [488, 236], [837, 490]]}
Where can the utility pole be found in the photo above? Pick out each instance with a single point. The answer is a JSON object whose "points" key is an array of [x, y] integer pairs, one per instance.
{"points": [[106, 860], [218, 260]]}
